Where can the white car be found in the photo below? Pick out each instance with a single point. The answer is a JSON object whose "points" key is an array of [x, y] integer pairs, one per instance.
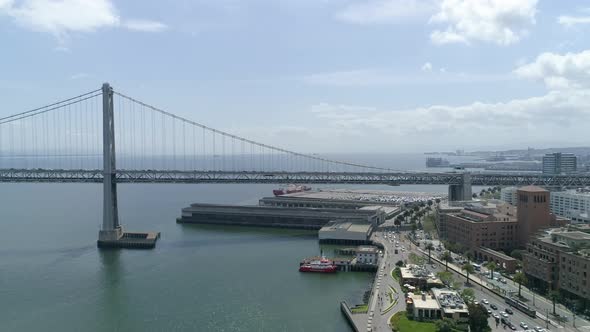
{"points": [[484, 301], [496, 316], [503, 314], [524, 325]]}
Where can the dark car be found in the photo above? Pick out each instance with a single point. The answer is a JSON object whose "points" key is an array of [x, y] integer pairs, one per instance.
{"points": [[509, 311], [512, 326], [493, 306]]}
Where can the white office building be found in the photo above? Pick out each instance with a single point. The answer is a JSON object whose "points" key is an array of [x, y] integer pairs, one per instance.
{"points": [[559, 163], [508, 195], [571, 204]]}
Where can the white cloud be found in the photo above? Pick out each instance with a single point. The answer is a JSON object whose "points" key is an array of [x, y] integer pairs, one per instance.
{"points": [[569, 21], [426, 67], [497, 21], [533, 117], [61, 17], [385, 11], [145, 25], [568, 71]]}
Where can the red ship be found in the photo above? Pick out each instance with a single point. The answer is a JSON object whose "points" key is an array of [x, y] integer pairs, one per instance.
{"points": [[290, 190], [323, 266]]}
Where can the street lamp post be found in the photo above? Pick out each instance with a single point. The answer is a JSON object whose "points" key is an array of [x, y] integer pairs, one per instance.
{"points": [[547, 317]]}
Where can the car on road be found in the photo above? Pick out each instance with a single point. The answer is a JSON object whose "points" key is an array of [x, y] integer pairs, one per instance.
{"points": [[512, 326], [489, 312], [502, 280], [493, 306], [524, 325], [504, 320], [538, 329], [496, 316], [503, 314], [484, 301], [509, 311]]}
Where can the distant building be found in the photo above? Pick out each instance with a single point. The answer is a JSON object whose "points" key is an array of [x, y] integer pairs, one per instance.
{"points": [[508, 195], [486, 229], [559, 163], [559, 259], [571, 204], [367, 255], [342, 231]]}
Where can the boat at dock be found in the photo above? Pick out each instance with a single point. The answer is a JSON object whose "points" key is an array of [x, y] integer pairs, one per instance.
{"points": [[290, 190], [322, 265]]}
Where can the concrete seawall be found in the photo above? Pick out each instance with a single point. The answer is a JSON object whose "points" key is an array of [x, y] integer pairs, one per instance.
{"points": [[348, 315]]}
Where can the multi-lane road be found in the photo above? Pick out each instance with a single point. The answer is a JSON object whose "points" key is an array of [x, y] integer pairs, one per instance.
{"points": [[380, 322]]}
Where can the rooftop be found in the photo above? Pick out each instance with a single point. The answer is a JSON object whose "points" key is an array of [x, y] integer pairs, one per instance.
{"points": [[426, 302], [366, 249], [449, 300], [532, 189]]}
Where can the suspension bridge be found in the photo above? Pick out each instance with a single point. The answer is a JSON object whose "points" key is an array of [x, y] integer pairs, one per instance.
{"points": [[104, 136]]}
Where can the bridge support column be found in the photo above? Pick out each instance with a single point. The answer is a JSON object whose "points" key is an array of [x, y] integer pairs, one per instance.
{"points": [[111, 230], [111, 234], [461, 192]]}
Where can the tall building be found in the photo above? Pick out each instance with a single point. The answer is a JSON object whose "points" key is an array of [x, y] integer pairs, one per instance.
{"points": [[509, 195], [486, 229], [559, 163], [570, 204], [559, 259], [533, 212]]}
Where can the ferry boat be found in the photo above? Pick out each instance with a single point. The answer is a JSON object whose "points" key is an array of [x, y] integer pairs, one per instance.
{"points": [[323, 265], [290, 190]]}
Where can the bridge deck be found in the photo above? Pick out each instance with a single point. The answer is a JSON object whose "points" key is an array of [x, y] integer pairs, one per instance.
{"points": [[398, 178]]}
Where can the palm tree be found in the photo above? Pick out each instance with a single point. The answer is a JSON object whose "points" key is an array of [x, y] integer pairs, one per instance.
{"points": [[491, 266], [429, 247], [446, 256], [554, 295], [468, 268], [520, 279]]}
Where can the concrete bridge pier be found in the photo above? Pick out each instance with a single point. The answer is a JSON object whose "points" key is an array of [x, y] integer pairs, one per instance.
{"points": [[111, 234], [461, 192]]}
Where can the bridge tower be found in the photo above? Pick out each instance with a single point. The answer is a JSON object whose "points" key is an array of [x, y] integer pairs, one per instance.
{"points": [[111, 234], [111, 229], [462, 191]]}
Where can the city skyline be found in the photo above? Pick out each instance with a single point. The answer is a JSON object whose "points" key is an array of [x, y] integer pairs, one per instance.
{"points": [[319, 76]]}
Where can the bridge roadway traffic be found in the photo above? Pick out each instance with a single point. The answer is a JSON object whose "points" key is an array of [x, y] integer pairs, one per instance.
{"points": [[383, 178]]}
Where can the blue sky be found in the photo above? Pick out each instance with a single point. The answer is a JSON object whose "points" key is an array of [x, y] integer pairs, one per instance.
{"points": [[319, 75]]}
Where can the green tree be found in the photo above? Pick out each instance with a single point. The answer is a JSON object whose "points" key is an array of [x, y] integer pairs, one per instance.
{"points": [[554, 295], [468, 268], [429, 202], [469, 257], [416, 208], [445, 325], [414, 227], [468, 295], [429, 247], [437, 200], [446, 277], [478, 319], [446, 256], [492, 267], [399, 263], [474, 195], [415, 259], [520, 279]]}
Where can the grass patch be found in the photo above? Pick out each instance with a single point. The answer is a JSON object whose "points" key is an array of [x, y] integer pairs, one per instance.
{"points": [[360, 309], [396, 274], [401, 323], [392, 301]]}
